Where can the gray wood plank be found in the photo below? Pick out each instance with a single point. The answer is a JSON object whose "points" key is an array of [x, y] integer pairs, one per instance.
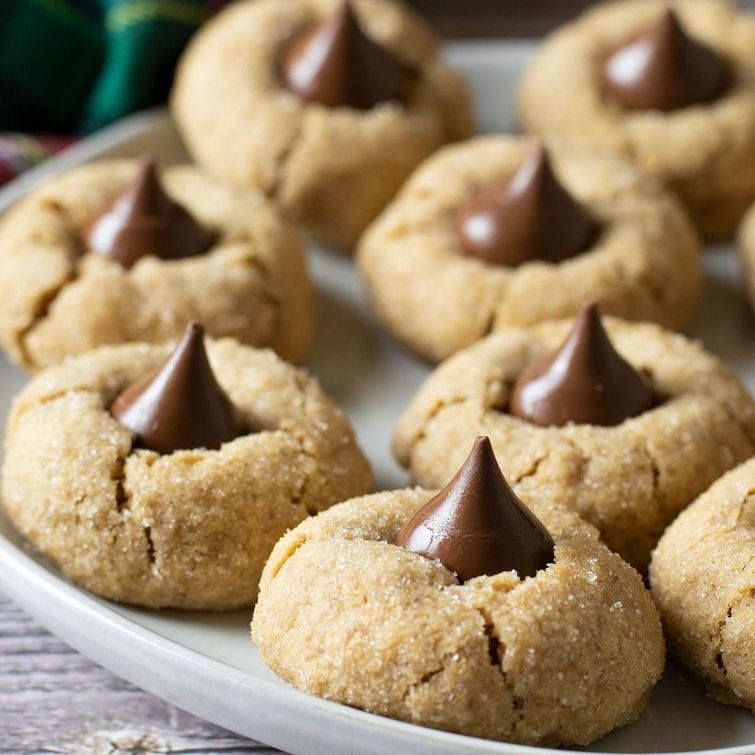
{"points": [[53, 700]]}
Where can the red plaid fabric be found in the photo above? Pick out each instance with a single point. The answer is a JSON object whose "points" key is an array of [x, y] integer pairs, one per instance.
{"points": [[19, 152]]}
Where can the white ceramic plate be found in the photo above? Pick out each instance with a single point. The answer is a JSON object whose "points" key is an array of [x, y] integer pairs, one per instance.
{"points": [[205, 663]]}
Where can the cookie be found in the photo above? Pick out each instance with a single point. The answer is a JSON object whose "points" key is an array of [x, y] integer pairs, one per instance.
{"points": [[670, 85], [447, 263], [166, 484], [746, 244], [323, 105], [703, 581], [627, 458], [399, 603], [111, 252]]}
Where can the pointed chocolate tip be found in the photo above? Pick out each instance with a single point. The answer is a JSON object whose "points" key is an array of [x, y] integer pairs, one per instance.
{"points": [[147, 169], [337, 64], [539, 158], [144, 220], [669, 28], [194, 335], [669, 18], [664, 69], [346, 13], [477, 525], [589, 313], [181, 405], [585, 381], [535, 173], [146, 193], [528, 216], [539, 153]]}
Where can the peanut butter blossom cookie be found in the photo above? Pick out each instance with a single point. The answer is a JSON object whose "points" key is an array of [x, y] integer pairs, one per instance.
{"points": [[623, 423], [670, 85], [500, 231], [703, 580], [117, 251], [164, 479], [325, 105], [746, 242], [462, 611]]}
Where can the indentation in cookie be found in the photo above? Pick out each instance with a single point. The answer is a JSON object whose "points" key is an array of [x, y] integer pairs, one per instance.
{"points": [[585, 381], [528, 216], [477, 526], [180, 405], [143, 220], [664, 69], [337, 64]]}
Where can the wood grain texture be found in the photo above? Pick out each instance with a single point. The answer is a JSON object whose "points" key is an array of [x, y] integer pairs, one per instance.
{"points": [[53, 700]]}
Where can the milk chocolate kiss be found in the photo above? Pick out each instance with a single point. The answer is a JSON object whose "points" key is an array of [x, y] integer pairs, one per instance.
{"points": [[337, 64], [144, 220], [476, 525], [664, 69], [180, 405], [529, 216], [586, 381]]}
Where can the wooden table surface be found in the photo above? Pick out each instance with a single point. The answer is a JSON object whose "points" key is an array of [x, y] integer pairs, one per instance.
{"points": [[53, 700]]}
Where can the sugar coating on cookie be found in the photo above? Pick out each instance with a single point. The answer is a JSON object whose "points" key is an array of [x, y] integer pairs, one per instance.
{"points": [[700, 148], [559, 658], [703, 581], [629, 480], [189, 529], [330, 168], [642, 264], [57, 298]]}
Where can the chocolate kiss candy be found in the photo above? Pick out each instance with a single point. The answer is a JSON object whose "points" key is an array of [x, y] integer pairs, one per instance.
{"points": [[476, 525], [180, 405], [144, 220], [336, 64], [664, 69], [586, 381], [529, 216]]}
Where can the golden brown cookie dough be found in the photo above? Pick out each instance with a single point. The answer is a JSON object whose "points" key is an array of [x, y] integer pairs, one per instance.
{"points": [[191, 529], [629, 480], [331, 169], [703, 581], [746, 242], [56, 299], [559, 658], [703, 152], [643, 265]]}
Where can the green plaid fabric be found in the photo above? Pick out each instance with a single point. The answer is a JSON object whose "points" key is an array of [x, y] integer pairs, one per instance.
{"points": [[71, 66]]}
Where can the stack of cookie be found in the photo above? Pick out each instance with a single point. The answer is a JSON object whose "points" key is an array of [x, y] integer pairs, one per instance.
{"points": [[166, 455]]}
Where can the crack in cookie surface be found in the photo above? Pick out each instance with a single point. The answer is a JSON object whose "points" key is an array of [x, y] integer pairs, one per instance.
{"points": [[187, 499], [40, 313]]}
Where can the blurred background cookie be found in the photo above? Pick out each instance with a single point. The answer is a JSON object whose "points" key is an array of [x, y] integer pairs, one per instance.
{"points": [[324, 105], [670, 85]]}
